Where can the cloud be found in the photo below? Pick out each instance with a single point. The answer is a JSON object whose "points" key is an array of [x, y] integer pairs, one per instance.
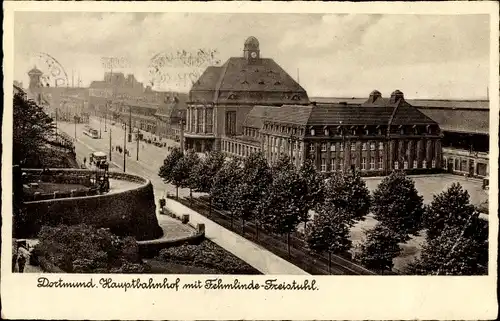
{"points": [[335, 53]]}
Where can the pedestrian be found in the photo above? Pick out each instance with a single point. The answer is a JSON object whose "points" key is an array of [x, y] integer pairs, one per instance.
{"points": [[22, 258], [84, 160]]}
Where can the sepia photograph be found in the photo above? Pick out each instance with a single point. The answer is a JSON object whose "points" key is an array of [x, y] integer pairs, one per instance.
{"points": [[240, 143]]}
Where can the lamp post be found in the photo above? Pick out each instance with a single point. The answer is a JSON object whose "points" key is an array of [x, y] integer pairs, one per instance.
{"points": [[124, 143], [106, 116], [110, 143], [75, 127], [137, 139], [100, 127], [182, 122]]}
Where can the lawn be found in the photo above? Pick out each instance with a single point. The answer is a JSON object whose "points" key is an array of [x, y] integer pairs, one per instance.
{"points": [[427, 186]]}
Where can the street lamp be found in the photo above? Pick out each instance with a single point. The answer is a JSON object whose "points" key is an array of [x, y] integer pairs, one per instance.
{"points": [[75, 127], [124, 143], [110, 143]]}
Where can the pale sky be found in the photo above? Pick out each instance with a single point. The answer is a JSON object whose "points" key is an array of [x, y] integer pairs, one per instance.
{"points": [[425, 56]]}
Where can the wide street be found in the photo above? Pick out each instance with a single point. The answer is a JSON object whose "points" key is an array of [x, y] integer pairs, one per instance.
{"points": [[150, 160]]}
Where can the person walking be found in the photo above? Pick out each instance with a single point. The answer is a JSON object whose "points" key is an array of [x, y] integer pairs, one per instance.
{"points": [[84, 160]]}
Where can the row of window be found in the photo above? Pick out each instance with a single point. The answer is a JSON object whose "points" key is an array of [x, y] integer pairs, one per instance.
{"points": [[354, 132], [380, 164], [238, 149], [199, 119], [333, 147]]}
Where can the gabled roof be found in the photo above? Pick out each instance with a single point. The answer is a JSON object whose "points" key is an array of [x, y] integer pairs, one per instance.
{"points": [[340, 114], [266, 75], [256, 115]]}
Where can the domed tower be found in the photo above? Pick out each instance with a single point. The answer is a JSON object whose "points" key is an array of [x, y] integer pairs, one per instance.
{"points": [[251, 50], [35, 74]]}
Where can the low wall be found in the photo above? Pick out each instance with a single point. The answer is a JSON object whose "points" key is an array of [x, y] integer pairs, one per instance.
{"points": [[130, 212]]}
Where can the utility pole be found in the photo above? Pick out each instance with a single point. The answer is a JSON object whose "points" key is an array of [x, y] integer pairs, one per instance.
{"points": [[100, 127], [110, 144], [130, 124], [124, 144], [106, 116], [137, 139], [56, 121], [75, 127]]}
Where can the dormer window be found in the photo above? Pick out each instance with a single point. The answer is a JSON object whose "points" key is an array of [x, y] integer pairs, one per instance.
{"points": [[326, 132], [296, 97], [244, 82], [232, 97], [261, 82], [277, 83]]}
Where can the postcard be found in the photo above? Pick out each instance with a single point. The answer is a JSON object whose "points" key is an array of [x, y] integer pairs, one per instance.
{"points": [[257, 161]]}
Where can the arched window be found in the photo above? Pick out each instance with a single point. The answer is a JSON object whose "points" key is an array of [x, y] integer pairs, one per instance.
{"points": [[312, 132]]}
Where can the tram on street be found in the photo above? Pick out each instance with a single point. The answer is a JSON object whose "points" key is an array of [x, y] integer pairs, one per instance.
{"points": [[89, 131]]}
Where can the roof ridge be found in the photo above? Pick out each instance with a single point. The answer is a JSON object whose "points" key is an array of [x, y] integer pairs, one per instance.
{"points": [[220, 80]]}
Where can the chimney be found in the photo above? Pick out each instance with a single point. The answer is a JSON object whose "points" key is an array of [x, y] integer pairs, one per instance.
{"points": [[374, 95], [396, 96]]}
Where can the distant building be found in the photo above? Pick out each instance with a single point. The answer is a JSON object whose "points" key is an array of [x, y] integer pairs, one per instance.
{"points": [[222, 97], [465, 128], [375, 137], [53, 98], [170, 115]]}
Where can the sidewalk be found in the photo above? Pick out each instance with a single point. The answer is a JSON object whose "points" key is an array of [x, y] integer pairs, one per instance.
{"points": [[258, 257]]}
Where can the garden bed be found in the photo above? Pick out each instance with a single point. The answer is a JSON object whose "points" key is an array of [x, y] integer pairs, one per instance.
{"points": [[205, 258]]}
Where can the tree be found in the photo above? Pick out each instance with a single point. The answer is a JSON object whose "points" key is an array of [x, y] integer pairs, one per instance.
{"points": [[250, 193], [380, 248], [349, 193], [166, 170], [457, 238], [86, 249], [284, 202], [456, 251], [31, 129], [328, 232], [397, 205], [225, 183], [314, 188], [449, 208], [182, 171], [203, 175]]}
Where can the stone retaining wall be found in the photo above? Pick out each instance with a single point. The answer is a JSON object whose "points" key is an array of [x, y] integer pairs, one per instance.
{"points": [[130, 212]]}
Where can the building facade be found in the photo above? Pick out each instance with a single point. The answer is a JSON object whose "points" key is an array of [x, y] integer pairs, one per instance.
{"points": [[375, 138], [221, 98]]}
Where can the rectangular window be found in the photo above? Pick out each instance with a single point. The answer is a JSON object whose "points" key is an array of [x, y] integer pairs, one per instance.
{"points": [[363, 163], [457, 164], [311, 148], [414, 164], [199, 113], [396, 165], [380, 146], [372, 163], [210, 115], [353, 161], [463, 164], [231, 123], [323, 147], [342, 147], [323, 165], [405, 165], [372, 146], [433, 164], [333, 165], [353, 146], [332, 147], [364, 146], [380, 163], [341, 164], [424, 164]]}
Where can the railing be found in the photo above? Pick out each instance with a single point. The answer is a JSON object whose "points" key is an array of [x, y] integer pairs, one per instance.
{"points": [[300, 255]]}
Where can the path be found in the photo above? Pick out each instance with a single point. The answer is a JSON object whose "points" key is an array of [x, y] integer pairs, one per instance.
{"points": [[258, 257]]}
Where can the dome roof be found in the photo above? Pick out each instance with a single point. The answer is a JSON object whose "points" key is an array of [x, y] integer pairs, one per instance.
{"points": [[252, 42]]}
